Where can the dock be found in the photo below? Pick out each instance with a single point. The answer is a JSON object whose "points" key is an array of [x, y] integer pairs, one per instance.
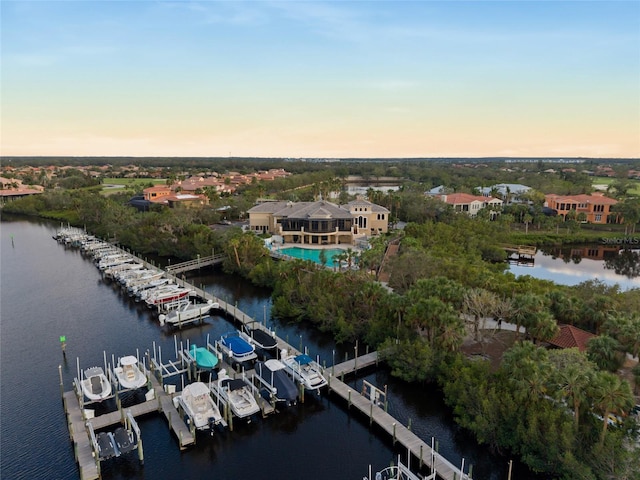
{"points": [[196, 264], [521, 250], [377, 415], [80, 427], [79, 431]]}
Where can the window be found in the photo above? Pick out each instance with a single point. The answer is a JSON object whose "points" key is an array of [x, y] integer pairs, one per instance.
{"points": [[598, 218]]}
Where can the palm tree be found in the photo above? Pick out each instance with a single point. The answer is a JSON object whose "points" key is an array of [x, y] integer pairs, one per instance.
{"points": [[611, 396], [574, 381], [605, 352], [527, 367]]}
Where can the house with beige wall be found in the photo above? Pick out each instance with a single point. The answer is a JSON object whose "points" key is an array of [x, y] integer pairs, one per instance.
{"points": [[319, 223]]}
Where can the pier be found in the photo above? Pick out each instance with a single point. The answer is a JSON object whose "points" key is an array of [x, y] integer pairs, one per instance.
{"points": [[80, 426], [195, 264], [521, 250], [424, 452]]}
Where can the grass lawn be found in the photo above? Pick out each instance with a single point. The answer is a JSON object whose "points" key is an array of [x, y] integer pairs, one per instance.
{"points": [[634, 190], [129, 182], [114, 185]]}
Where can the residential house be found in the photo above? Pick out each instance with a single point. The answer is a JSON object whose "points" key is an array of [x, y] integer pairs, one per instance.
{"points": [[571, 337], [597, 207], [157, 193], [508, 192], [470, 204], [320, 222]]}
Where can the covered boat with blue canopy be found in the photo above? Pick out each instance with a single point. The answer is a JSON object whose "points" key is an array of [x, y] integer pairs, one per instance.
{"points": [[236, 347]]}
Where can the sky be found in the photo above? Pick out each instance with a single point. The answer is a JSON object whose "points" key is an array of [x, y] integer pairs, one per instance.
{"points": [[332, 79]]}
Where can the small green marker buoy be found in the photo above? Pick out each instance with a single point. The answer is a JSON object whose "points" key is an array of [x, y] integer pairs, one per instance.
{"points": [[63, 343]]}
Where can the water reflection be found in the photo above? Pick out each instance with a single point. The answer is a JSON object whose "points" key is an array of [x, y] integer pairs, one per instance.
{"points": [[626, 263], [571, 265]]}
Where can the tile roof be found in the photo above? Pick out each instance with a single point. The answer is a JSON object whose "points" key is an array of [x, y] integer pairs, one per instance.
{"points": [[570, 337], [365, 203], [582, 198]]}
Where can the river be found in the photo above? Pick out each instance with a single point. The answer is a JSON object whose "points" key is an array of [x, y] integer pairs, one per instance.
{"points": [[48, 290]]}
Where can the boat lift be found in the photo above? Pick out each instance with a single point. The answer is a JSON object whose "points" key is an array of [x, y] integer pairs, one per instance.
{"points": [[77, 382], [123, 440]]}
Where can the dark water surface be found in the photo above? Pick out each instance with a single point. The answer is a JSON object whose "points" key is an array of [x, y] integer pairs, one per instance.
{"points": [[48, 291]]}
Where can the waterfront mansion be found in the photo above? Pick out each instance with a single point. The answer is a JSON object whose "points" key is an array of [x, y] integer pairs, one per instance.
{"points": [[319, 223]]}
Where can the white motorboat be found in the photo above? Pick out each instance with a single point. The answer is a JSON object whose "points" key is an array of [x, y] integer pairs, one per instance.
{"points": [[129, 374], [187, 313], [237, 394], [304, 370], [161, 298], [198, 405], [95, 384]]}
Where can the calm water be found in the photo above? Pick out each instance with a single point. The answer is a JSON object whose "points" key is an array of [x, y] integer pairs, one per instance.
{"points": [[48, 291], [576, 264], [312, 254]]}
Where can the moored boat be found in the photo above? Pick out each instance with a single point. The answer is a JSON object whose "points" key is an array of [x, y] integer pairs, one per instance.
{"points": [[304, 370], [237, 394], [260, 338], [95, 385], [129, 374], [205, 360], [198, 405], [272, 374], [236, 347], [187, 312]]}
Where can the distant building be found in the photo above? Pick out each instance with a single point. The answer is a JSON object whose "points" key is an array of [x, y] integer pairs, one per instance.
{"points": [[157, 193], [509, 192], [320, 222], [12, 188], [597, 207], [470, 204], [165, 195]]}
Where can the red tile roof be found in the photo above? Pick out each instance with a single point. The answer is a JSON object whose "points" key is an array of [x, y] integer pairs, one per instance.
{"points": [[570, 336]]}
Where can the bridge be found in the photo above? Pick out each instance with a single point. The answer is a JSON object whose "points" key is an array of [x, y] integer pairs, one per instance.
{"points": [[195, 264]]}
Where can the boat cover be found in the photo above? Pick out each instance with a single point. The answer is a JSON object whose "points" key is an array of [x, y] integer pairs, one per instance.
{"points": [[263, 339], [303, 359], [272, 371], [124, 441], [106, 446], [237, 345], [204, 358]]}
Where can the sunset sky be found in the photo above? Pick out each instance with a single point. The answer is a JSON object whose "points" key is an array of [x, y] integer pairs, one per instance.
{"points": [[320, 79]]}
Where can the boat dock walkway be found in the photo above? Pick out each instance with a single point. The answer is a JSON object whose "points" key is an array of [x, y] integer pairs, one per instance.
{"points": [[195, 264], [376, 414]]}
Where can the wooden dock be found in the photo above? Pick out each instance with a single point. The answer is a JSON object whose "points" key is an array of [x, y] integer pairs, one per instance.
{"points": [[195, 264], [398, 432], [79, 432], [521, 250], [163, 402], [82, 448]]}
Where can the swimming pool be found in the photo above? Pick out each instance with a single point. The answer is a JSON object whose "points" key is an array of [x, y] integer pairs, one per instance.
{"points": [[312, 254]]}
